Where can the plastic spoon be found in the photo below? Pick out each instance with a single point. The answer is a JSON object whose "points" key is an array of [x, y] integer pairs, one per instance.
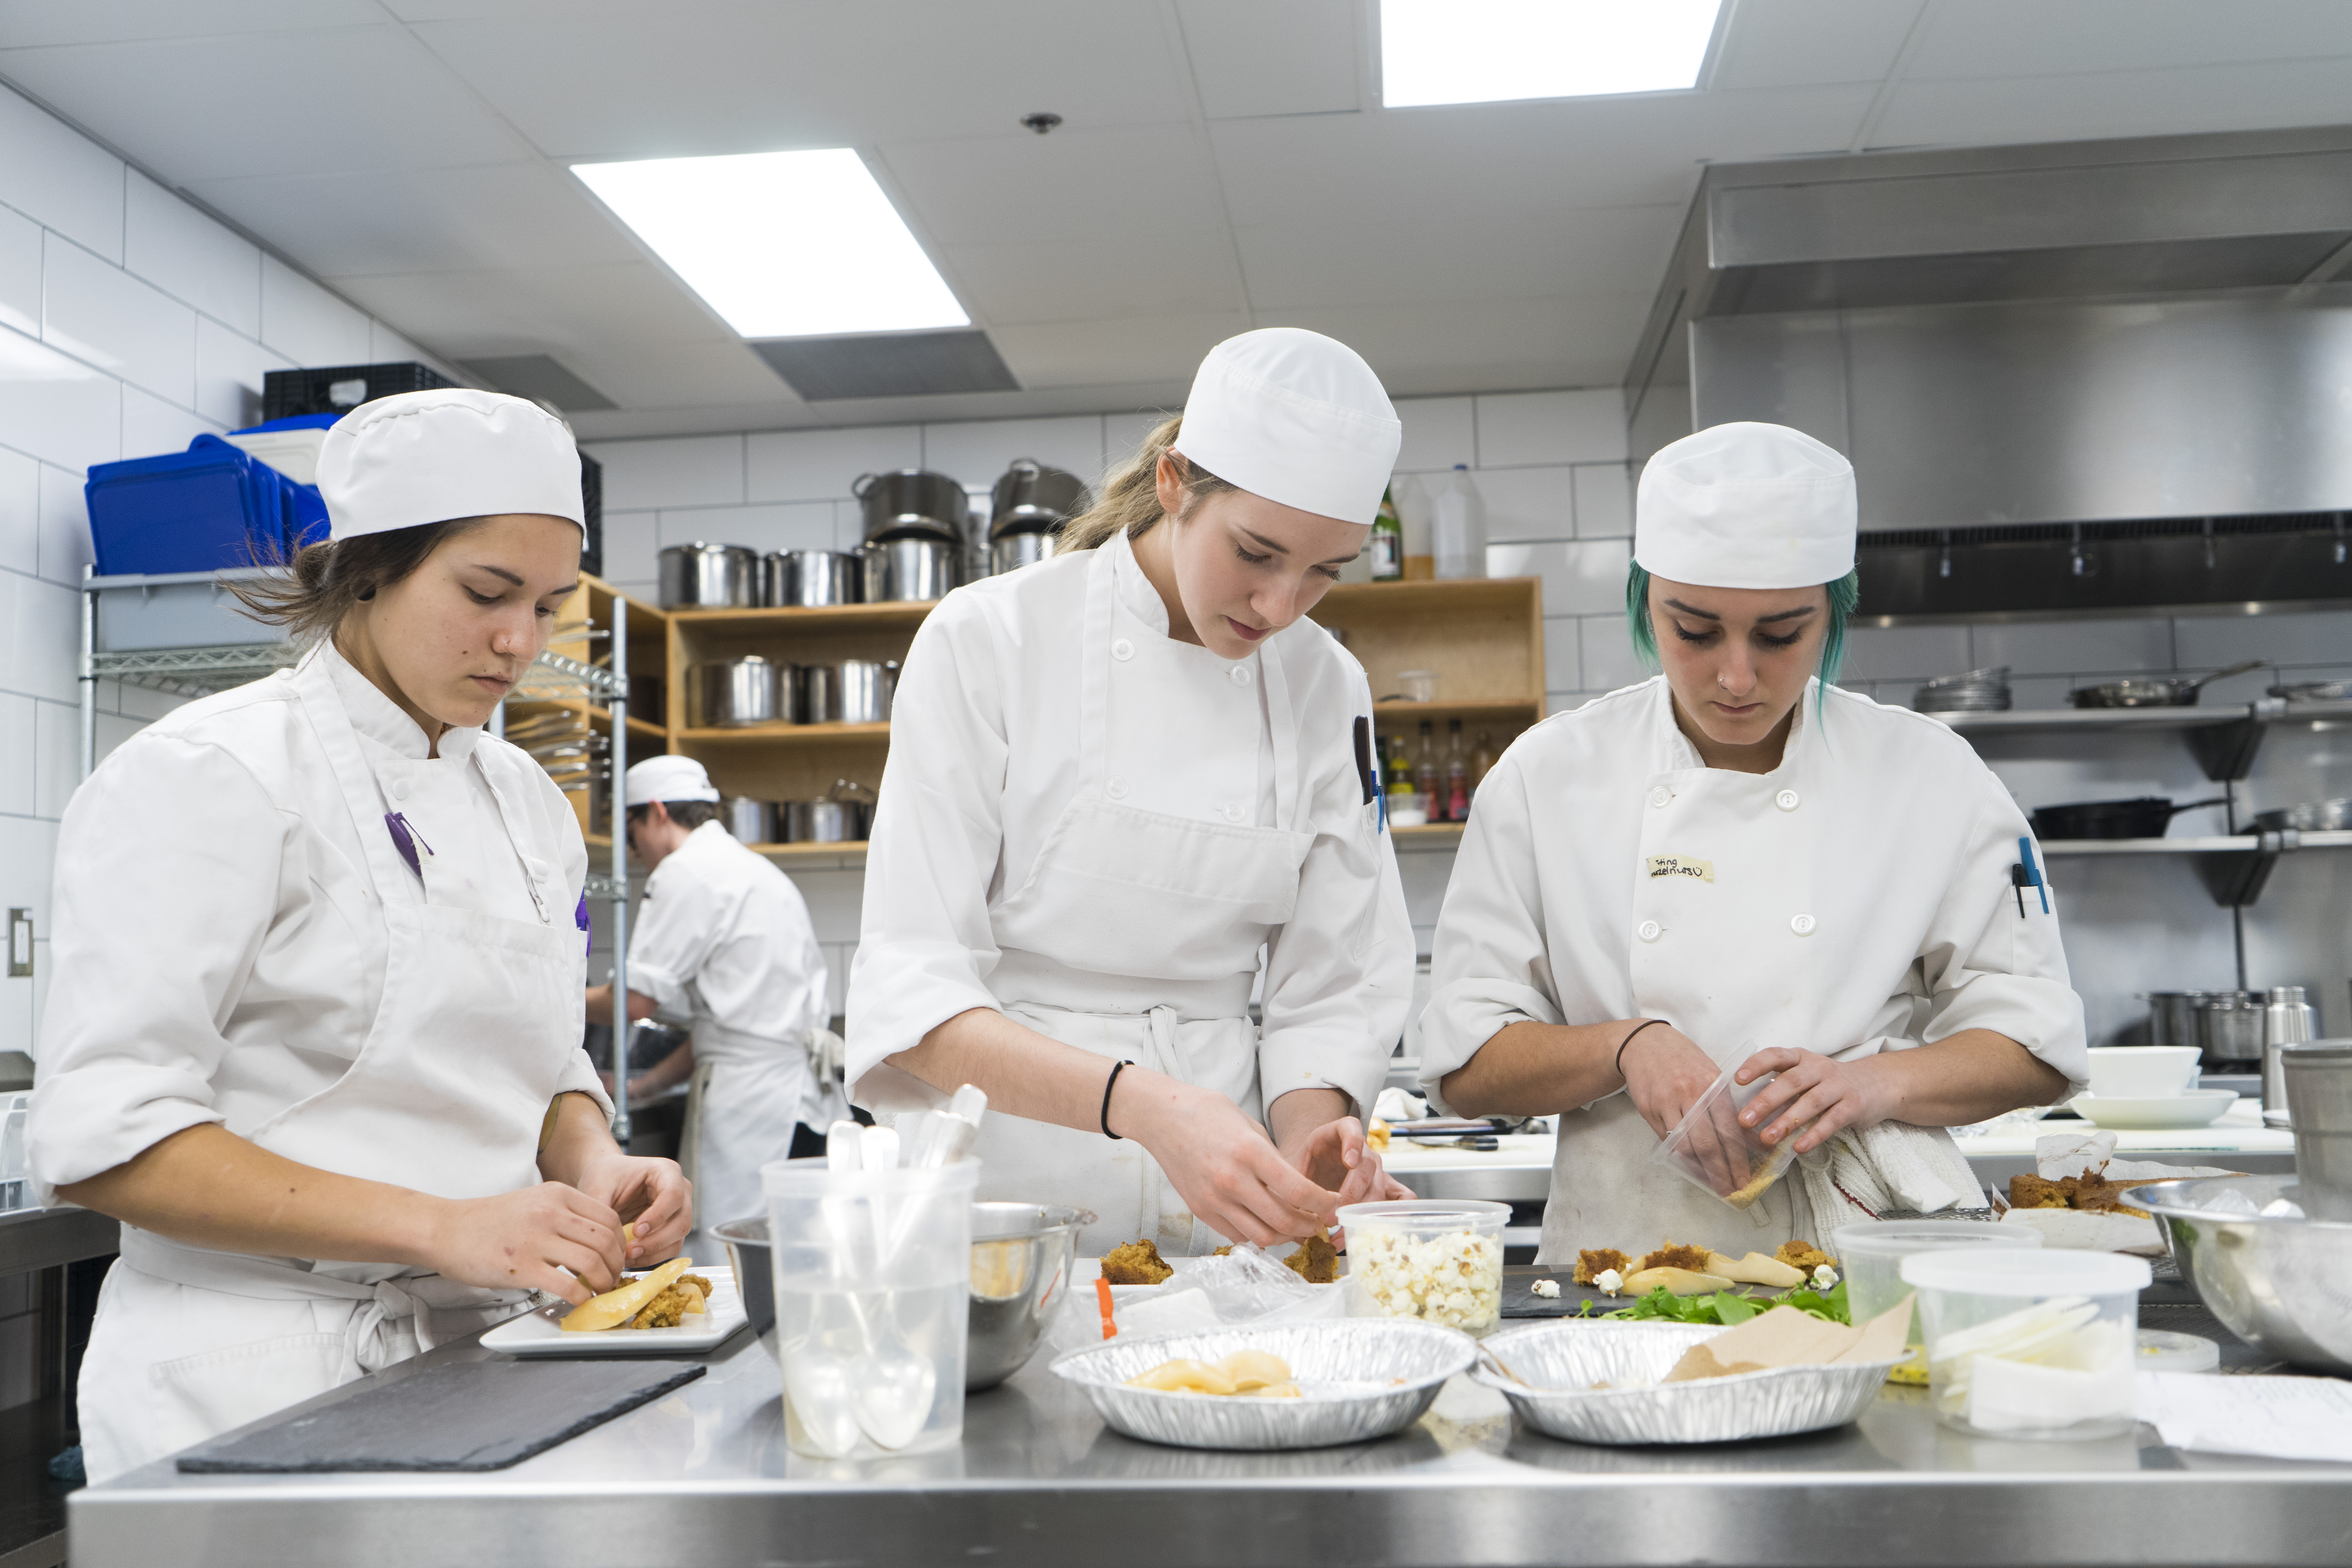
{"points": [[818, 1383]]}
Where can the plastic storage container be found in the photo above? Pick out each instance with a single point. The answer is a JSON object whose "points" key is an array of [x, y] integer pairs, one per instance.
{"points": [[2023, 1343], [872, 1270], [1709, 1148], [1438, 1261], [1871, 1252], [210, 507]]}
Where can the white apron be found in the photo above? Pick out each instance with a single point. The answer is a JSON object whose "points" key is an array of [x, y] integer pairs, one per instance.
{"points": [[1140, 899], [749, 1096], [479, 1016]]}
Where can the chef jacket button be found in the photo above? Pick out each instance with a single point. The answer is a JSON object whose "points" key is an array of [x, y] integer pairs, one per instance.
{"points": [[1649, 931], [1232, 811], [1803, 925], [1786, 800], [1122, 648], [399, 789], [1116, 789], [1660, 795], [1240, 675]]}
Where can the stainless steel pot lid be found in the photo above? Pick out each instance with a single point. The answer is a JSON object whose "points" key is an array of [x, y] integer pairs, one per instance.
{"points": [[1031, 498], [911, 502]]}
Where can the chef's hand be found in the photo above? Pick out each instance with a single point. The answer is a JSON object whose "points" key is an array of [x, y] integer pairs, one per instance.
{"points": [[549, 1238], [1221, 1163], [1335, 1156], [1666, 1074], [652, 1195], [1830, 1094]]}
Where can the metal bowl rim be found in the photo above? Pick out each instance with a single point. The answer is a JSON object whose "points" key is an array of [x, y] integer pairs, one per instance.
{"points": [[2146, 1198]]}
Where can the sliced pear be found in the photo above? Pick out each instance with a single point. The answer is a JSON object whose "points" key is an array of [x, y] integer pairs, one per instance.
{"points": [[614, 1308], [1681, 1282], [1756, 1270]]}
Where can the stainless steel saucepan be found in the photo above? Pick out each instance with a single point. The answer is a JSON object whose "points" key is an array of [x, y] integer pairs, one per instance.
{"points": [[730, 693], [2161, 692], [709, 577]]}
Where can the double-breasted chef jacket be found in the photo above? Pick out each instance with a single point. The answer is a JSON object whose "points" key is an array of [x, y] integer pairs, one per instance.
{"points": [[239, 941], [723, 938], [1855, 900], [1113, 837]]}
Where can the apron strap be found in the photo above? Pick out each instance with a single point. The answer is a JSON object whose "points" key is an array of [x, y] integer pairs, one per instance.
{"points": [[315, 685]]}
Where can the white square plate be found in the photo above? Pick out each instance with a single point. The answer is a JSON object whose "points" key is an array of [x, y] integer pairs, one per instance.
{"points": [[540, 1333]]}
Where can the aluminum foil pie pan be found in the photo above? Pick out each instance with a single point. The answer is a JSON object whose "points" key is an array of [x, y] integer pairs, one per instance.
{"points": [[1363, 1377], [1559, 1364]]}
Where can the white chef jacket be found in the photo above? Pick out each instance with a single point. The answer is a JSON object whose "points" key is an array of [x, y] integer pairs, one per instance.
{"points": [[1855, 900], [723, 938], [219, 946], [984, 757]]}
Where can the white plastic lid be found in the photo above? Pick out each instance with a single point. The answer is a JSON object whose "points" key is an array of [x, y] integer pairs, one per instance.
{"points": [[1459, 1214], [1899, 1238], [2023, 1271], [2160, 1350]]}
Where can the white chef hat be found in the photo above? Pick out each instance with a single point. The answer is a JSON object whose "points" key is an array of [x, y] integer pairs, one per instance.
{"points": [[1297, 418], [428, 456], [667, 778], [1747, 506]]}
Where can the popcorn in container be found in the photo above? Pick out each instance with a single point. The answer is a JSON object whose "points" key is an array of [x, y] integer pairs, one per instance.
{"points": [[1429, 1258], [2025, 1344]]}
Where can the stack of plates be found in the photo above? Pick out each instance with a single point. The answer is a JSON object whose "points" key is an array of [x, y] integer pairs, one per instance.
{"points": [[1977, 691], [2315, 691]]}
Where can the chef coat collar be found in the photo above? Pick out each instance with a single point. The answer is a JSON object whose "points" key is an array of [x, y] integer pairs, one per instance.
{"points": [[1679, 755], [1143, 601], [379, 719]]}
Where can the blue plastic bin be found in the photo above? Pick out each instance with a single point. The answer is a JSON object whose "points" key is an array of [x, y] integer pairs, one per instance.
{"points": [[209, 507]]}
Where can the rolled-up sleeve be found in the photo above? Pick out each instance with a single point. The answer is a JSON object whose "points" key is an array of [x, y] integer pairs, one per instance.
{"points": [[676, 927], [167, 883], [926, 944], [1490, 967], [1984, 966], [1339, 974]]}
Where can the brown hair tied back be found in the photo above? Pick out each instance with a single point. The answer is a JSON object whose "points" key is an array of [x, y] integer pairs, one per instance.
{"points": [[309, 596], [1131, 497]]}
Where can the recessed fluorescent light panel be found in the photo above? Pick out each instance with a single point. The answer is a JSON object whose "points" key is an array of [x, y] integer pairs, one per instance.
{"points": [[1486, 51], [782, 245]]}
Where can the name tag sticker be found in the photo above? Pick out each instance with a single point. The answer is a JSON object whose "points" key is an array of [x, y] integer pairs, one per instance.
{"points": [[1682, 866]]}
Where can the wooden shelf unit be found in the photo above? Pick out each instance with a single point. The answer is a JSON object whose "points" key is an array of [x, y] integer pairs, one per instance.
{"points": [[1483, 637], [583, 624]]}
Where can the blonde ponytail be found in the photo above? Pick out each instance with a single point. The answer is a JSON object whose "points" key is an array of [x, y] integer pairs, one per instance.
{"points": [[1131, 497]]}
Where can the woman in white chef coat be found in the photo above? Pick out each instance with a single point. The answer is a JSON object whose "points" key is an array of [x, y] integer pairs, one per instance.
{"points": [[723, 938], [314, 1033], [1126, 785], [1738, 865]]}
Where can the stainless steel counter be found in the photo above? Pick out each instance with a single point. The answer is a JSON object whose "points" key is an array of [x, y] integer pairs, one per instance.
{"points": [[703, 1478]]}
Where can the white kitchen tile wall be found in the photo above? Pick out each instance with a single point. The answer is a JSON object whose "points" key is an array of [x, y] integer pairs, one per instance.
{"points": [[130, 321], [819, 465]]}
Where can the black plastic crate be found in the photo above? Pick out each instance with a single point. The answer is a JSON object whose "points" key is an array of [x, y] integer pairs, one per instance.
{"points": [[592, 497], [339, 389]]}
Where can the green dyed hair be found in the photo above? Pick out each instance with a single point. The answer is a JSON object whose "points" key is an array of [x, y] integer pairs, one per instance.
{"points": [[1844, 594]]}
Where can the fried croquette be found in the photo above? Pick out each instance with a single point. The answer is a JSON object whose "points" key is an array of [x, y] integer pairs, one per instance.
{"points": [[1317, 1261], [1671, 1254], [1593, 1262], [1136, 1263], [686, 1294], [1803, 1254]]}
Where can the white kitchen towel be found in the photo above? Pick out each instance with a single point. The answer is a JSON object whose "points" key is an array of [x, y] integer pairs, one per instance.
{"points": [[1894, 1165]]}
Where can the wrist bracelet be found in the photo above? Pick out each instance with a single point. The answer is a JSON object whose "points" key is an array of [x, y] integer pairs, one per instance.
{"points": [[1621, 1045], [1116, 1068]]}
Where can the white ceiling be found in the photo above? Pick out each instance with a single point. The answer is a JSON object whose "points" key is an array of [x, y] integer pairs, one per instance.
{"points": [[1223, 164]]}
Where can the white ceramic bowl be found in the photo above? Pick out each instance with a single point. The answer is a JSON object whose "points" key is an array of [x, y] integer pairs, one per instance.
{"points": [[2142, 1072]]}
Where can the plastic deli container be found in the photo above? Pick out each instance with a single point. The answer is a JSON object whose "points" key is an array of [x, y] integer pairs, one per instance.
{"points": [[1429, 1258], [872, 1270], [1871, 1253], [1709, 1148], [2025, 1344]]}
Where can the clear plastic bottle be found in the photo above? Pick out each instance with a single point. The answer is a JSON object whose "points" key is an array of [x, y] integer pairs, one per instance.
{"points": [[1404, 809], [1414, 511], [1457, 773], [1387, 543], [1459, 530], [1427, 773]]}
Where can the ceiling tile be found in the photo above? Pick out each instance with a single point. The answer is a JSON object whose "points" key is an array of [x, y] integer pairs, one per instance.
{"points": [[722, 76], [1125, 181], [1485, 345], [1087, 278], [268, 104], [2006, 39], [475, 217], [1800, 43], [551, 308], [1272, 56], [2119, 103], [26, 23], [1605, 250], [1153, 351], [678, 374]]}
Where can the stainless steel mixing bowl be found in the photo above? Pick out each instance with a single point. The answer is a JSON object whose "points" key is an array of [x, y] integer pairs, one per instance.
{"points": [[1022, 1255], [2282, 1285]]}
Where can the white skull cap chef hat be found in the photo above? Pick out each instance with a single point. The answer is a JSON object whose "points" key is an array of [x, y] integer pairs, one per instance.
{"points": [[430, 457], [667, 778], [1297, 418], [1747, 506]]}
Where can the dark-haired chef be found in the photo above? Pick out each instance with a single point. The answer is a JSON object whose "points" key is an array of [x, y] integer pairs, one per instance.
{"points": [[723, 938], [1738, 865], [314, 1035]]}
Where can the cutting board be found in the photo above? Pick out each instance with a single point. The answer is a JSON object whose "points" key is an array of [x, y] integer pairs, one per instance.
{"points": [[460, 1416], [1520, 1302]]}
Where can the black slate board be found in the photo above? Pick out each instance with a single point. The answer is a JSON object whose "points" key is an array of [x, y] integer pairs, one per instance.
{"points": [[1520, 1302], [460, 1415]]}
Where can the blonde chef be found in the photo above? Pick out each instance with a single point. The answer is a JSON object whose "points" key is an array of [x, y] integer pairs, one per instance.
{"points": [[723, 938], [1736, 864], [314, 1033], [1127, 785]]}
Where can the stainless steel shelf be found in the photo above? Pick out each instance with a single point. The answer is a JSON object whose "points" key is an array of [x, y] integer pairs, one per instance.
{"points": [[2098, 720], [2242, 844], [193, 671]]}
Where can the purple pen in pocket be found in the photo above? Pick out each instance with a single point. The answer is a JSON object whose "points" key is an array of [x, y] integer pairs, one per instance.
{"points": [[405, 839]]}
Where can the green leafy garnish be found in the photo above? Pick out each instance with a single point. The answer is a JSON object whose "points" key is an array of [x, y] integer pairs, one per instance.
{"points": [[1724, 1307]]}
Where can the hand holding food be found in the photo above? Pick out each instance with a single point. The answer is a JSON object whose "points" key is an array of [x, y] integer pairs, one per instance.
{"points": [[1339, 1156], [652, 1194], [1666, 1075], [1831, 1095], [659, 1299], [550, 1237], [1222, 1163]]}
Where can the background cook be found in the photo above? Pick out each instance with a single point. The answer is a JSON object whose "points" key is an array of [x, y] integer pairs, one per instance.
{"points": [[1127, 785], [1735, 857], [314, 1035], [723, 938]]}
